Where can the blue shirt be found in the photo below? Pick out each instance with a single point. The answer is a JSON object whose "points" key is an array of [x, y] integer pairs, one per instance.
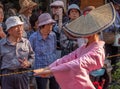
{"points": [[45, 50], [10, 54]]}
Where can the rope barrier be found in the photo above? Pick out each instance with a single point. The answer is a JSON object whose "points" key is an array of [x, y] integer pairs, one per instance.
{"points": [[113, 56], [13, 73], [26, 71]]}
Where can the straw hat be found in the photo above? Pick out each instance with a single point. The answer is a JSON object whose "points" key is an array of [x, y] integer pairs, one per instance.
{"points": [[26, 4], [13, 21], [44, 19], [95, 21]]}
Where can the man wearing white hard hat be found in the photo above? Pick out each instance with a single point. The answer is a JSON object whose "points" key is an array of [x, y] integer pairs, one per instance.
{"points": [[16, 55]]}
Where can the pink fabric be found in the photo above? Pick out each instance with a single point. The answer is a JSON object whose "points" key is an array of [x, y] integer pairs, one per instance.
{"points": [[72, 71]]}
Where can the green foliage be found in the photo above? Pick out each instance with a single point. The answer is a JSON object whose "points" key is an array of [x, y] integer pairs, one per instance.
{"points": [[116, 73], [115, 77]]}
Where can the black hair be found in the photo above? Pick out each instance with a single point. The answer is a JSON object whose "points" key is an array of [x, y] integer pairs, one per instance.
{"points": [[41, 26], [33, 19], [76, 9], [1, 6]]}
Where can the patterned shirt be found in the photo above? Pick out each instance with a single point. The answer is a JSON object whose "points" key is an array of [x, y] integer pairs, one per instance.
{"points": [[45, 50], [11, 53]]}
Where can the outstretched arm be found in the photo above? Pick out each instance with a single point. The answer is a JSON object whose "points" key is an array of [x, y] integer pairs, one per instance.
{"points": [[43, 72]]}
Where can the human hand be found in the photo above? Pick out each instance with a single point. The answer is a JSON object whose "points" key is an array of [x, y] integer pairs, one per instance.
{"points": [[59, 11], [43, 72], [24, 63], [2, 34]]}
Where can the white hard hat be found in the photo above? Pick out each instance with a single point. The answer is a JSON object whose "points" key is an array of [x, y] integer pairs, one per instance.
{"points": [[13, 21]]}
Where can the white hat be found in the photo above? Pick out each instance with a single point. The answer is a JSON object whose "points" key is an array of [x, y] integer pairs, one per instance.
{"points": [[73, 6], [95, 21], [13, 21], [57, 3]]}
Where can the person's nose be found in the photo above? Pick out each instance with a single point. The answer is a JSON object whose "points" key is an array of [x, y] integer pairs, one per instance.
{"points": [[20, 28]]}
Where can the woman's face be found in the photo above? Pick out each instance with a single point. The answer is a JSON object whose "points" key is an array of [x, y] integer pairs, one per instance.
{"points": [[1, 15], [56, 10], [47, 28], [28, 12], [74, 14]]}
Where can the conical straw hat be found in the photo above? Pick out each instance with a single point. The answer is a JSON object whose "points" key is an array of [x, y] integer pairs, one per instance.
{"points": [[26, 4], [95, 21]]}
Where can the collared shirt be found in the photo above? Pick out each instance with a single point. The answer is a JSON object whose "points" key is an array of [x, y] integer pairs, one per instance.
{"points": [[72, 71], [45, 50], [9, 54]]}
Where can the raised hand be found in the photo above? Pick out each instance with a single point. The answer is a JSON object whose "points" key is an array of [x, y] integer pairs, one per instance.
{"points": [[2, 34], [24, 63]]}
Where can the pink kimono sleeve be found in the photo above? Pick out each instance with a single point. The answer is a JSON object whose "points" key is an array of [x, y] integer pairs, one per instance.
{"points": [[66, 58], [90, 61], [74, 74]]}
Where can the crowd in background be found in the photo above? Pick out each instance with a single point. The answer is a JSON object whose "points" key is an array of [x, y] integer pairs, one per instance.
{"points": [[43, 37]]}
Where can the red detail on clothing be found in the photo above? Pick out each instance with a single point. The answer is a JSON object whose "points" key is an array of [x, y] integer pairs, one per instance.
{"points": [[97, 85]]}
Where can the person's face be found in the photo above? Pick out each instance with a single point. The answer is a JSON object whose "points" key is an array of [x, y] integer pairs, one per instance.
{"points": [[16, 31], [36, 25], [74, 14], [55, 10], [28, 12], [1, 15], [47, 28]]}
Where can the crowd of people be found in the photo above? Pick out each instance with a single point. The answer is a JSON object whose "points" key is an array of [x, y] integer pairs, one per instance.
{"points": [[30, 40]]}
